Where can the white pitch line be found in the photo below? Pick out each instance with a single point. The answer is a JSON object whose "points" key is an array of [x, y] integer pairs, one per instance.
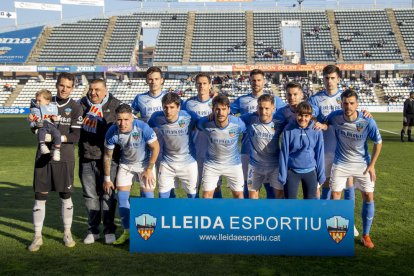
{"points": [[390, 131]]}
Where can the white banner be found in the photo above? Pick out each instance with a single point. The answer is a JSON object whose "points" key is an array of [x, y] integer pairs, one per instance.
{"points": [[150, 24], [17, 68], [9, 15], [99, 3], [37, 6], [290, 23]]}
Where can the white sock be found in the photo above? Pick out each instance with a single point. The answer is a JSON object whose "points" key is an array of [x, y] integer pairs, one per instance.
{"points": [[39, 211], [67, 213]]}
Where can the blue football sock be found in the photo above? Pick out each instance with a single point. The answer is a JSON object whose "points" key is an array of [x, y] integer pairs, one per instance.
{"points": [[123, 201], [326, 193], [172, 193], [164, 195], [270, 193], [246, 190], [349, 193], [217, 194], [368, 210], [191, 195], [147, 194]]}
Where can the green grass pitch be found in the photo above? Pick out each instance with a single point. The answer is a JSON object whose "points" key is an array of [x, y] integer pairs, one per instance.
{"points": [[391, 232]]}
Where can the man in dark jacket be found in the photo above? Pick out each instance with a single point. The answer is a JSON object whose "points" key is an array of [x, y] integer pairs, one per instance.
{"points": [[98, 115], [408, 114]]}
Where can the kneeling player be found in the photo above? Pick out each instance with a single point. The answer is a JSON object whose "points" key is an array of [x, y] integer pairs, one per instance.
{"points": [[139, 152]]}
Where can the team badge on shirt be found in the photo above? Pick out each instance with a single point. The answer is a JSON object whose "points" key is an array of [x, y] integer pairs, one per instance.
{"points": [[232, 132], [68, 111], [181, 123], [136, 135], [338, 100], [337, 227], [360, 126], [145, 224]]}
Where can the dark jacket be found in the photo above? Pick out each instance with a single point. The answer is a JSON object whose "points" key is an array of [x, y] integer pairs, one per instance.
{"points": [[91, 145]]}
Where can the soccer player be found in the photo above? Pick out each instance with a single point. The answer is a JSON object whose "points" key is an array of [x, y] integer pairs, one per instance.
{"points": [[139, 152], [223, 157], [408, 117], [246, 104], [58, 176], [302, 155], [263, 132], [352, 159], [294, 96], [147, 103], [98, 115], [201, 106], [326, 102], [178, 154]]}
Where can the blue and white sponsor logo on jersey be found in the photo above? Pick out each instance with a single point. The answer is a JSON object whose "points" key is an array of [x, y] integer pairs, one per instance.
{"points": [[337, 227]]}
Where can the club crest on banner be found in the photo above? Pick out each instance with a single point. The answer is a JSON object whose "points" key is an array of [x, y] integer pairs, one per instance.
{"points": [[337, 227], [145, 224]]}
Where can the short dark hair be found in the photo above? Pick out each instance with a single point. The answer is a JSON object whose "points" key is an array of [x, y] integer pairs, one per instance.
{"points": [[329, 69], [65, 75], [221, 99], [170, 98], [98, 81], [304, 108], [266, 98], [293, 84], [123, 108], [154, 69], [203, 75], [348, 94], [256, 72]]}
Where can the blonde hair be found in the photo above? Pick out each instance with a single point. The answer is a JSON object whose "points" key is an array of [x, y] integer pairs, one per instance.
{"points": [[46, 94]]}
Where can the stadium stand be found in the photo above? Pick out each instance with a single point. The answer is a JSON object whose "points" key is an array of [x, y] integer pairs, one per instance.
{"points": [[76, 42], [366, 36], [219, 37], [397, 90], [7, 86], [405, 19], [316, 35], [123, 39], [170, 42], [33, 85]]}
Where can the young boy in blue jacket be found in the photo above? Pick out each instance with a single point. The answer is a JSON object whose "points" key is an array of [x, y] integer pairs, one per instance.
{"points": [[302, 155]]}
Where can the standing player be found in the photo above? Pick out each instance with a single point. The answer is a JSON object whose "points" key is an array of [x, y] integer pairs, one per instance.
{"points": [[263, 132], [352, 159], [139, 152], [201, 106], [147, 103], [408, 116], [247, 104], [99, 114], [58, 176], [175, 126], [223, 157]]}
